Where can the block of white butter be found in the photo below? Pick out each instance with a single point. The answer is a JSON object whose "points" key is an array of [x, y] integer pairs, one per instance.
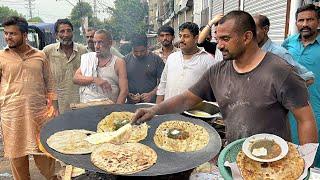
{"points": [[259, 152]]}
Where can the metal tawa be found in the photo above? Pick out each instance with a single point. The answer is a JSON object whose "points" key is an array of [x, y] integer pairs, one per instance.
{"points": [[167, 162]]}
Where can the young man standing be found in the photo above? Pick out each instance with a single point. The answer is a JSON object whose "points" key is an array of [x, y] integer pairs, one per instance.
{"points": [[185, 67], [144, 70], [165, 37], [26, 95]]}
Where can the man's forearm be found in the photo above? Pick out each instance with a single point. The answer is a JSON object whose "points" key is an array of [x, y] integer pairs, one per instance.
{"points": [[307, 131], [177, 103], [203, 34], [122, 97], [83, 80], [306, 123]]}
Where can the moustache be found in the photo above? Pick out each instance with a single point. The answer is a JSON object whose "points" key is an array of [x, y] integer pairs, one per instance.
{"points": [[182, 43], [305, 28]]}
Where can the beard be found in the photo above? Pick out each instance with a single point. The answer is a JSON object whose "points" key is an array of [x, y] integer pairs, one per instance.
{"points": [[17, 44], [102, 55], [66, 41], [166, 43], [227, 56], [306, 32]]}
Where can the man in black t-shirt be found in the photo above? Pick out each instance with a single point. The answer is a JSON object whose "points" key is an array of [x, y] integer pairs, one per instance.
{"points": [[205, 37], [206, 43], [144, 71], [254, 89]]}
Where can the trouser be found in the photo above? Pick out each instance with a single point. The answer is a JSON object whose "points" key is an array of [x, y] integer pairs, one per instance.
{"points": [[20, 167]]}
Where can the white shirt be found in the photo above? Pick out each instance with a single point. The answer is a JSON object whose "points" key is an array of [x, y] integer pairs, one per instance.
{"points": [[179, 74]]}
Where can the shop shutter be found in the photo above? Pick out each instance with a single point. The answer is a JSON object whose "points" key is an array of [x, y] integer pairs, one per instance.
{"points": [[217, 7], [230, 5], [275, 10]]}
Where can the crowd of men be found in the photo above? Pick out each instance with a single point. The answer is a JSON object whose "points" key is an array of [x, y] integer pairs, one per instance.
{"points": [[255, 81]]}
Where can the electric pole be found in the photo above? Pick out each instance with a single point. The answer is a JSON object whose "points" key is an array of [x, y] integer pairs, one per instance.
{"points": [[95, 8], [29, 6]]}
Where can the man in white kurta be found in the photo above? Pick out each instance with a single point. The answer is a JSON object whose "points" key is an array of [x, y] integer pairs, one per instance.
{"points": [[178, 74], [185, 67]]}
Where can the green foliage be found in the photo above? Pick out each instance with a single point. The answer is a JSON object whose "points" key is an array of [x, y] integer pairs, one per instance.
{"points": [[81, 9], [128, 18], [6, 12], [36, 20]]}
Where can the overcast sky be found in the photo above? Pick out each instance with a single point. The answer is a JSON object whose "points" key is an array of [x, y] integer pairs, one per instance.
{"points": [[51, 10]]}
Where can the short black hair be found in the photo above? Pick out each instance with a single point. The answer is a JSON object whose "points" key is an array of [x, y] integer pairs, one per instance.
{"points": [[308, 7], [244, 22], [201, 28], [263, 20], [91, 29], [139, 40], [192, 27], [18, 21], [167, 29], [62, 21]]}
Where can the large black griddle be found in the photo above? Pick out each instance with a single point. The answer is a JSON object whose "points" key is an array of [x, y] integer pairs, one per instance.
{"points": [[167, 162]]}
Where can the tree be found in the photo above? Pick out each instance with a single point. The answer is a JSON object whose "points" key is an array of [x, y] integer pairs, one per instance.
{"points": [[36, 20], [6, 12], [79, 11], [128, 18]]}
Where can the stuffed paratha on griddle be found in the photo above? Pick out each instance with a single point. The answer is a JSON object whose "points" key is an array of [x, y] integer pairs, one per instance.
{"points": [[181, 136], [116, 120]]}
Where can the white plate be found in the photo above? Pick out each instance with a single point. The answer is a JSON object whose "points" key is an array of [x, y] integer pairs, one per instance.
{"points": [[217, 115], [148, 104], [246, 146]]}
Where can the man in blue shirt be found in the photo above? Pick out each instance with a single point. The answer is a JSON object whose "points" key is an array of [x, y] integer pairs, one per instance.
{"points": [[305, 49], [265, 43]]}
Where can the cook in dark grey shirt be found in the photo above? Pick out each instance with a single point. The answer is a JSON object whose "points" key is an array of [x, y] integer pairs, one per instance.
{"points": [[255, 90], [257, 101]]}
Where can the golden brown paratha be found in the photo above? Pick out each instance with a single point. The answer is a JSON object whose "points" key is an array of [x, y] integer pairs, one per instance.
{"points": [[289, 168], [191, 137], [116, 120], [71, 141], [126, 158], [119, 136]]}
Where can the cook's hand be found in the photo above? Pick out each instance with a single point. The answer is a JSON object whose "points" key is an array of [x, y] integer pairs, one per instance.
{"points": [[104, 84], [142, 115], [146, 97]]}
